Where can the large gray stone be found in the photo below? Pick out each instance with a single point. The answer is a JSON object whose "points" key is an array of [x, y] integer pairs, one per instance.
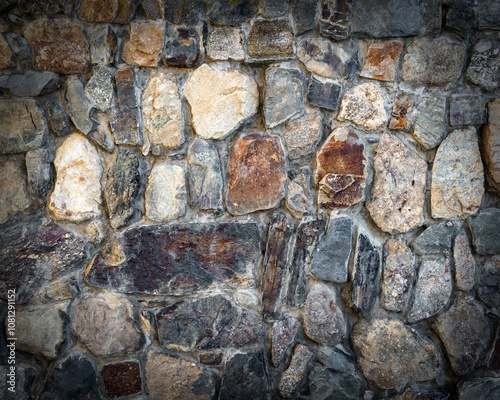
{"points": [[486, 234], [323, 93], [125, 117], [38, 166], [14, 196], [436, 239], [479, 389], [305, 15], [467, 109], [461, 17], [31, 83], [488, 290], [484, 66], [430, 125], [79, 107]]}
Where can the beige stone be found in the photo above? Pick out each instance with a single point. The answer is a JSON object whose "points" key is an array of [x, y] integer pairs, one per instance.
{"points": [[491, 145], [397, 197], [14, 196], [302, 134], [162, 111], [6, 54], [457, 184], [77, 192], [226, 43], [145, 43], [220, 101]]}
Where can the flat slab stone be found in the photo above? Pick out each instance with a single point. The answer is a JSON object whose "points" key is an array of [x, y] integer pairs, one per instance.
{"points": [[467, 109], [486, 235], [334, 19], [257, 173], [14, 196], [226, 44], [302, 134], [283, 336], [77, 193], [270, 40], [408, 356], [430, 125], [461, 18], [435, 239], [433, 61], [397, 197], [274, 8], [214, 323], [30, 84], [340, 170], [432, 290], [79, 106], [223, 12], [122, 379], [382, 61], [323, 93], [145, 44], [58, 45], [125, 117], [455, 191], [465, 265], [220, 101], [483, 69], [22, 126], [195, 256], [491, 145], [183, 48]]}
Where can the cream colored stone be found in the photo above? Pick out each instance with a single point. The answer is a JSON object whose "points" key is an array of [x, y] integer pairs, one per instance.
{"points": [[77, 192], [14, 195], [220, 101], [145, 43], [166, 197], [162, 111]]}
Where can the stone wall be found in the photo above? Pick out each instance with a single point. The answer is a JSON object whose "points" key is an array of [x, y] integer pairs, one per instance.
{"points": [[241, 200]]}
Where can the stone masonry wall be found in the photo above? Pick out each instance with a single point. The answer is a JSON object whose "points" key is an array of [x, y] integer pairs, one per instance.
{"points": [[234, 199]]}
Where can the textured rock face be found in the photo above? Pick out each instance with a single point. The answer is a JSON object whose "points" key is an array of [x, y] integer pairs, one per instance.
{"points": [[226, 44], [334, 19], [302, 134], [105, 324], [38, 167], [455, 191], [222, 12], [270, 40], [162, 111], [304, 14], [220, 101], [103, 45], [483, 69], [432, 290], [122, 379], [6, 55], [489, 284], [465, 265], [58, 119], [63, 40], [430, 125], [436, 239], [194, 257], [433, 61], [31, 83], [182, 49], [397, 197], [485, 231], [176, 379], [479, 389], [77, 192], [407, 356], [402, 117], [257, 173], [145, 44], [382, 61], [398, 276], [296, 370], [299, 197], [491, 145], [467, 110], [120, 11], [22, 126], [323, 318], [340, 170], [79, 107], [364, 105], [125, 117], [14, 196], [283, 336], [323, 93], [99, 89], [182, 11]]}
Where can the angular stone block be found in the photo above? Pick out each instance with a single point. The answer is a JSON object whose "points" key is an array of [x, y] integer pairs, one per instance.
{"points": [[270, 40], [323, 93]]}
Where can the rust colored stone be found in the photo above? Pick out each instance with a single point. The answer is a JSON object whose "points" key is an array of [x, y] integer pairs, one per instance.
{"points": [[99, 11], [382, 61], [122, 379], [58, 45], [340, 170], [145, 43], [402, 105], [257, 173]]}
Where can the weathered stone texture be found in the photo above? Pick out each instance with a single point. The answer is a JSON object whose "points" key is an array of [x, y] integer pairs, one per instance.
{"points": [[489, 15], [283, 336], [392, 353], [103, 45], [99, 88], [455, 191], [38, 167], [402, 110], [467, 110], [334, 19], [305, 15], [274, 8], [397, 197], [257, 173], [461, 17], [491, 145], [31, 83], [58, 45], [220, 101], [122, 379], [6, 55], [102, 135], [226, 44], [178, 259], [58, 119], [296, 371], [488, 290], [145, 43], [224, 12], [435, 239], [479, 389], [125, 117], [270, 40], [323, 93], [302, 134], [485, 231], [382, 61], [340, 170], [79, 106], [299, 199], [430, 125], [484, 66], [14, 196], [465, 265], [182, 49]]}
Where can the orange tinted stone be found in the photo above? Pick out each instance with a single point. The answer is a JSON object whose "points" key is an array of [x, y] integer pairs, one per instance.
{"points": [[98, 11], [382, 61], [145, 44]]}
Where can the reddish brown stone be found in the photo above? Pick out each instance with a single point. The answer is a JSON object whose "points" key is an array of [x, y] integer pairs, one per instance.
{"points": [[58, 45], [122, 379], [257, 173], [382, 61], [402, 105], [98, 11], [340, 170], [145, 43]]}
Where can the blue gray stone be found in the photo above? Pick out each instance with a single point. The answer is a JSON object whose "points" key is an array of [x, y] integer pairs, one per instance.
{"points": [[323, 93], [485, 232]]}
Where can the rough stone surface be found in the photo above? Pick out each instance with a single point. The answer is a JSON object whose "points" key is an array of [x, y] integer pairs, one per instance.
{"points": [[99, 88], [270, 40], [205, 177], [22, 126], [257, 173], [432, 290], [364, 287], [479, 389], [392, 353], [125, 117], [494, 359], [275, 264], [302, 134], [305, 15], [14, 196], [397, 196], [194, 257], [162, 111], [226, 44], [145, 44], [326, 59], [38, 167], [31, 83], [436, 239], [465, 334], [246, 377], [334, 19], [58, 119], [465, 265], [296, 371], [63, 40], [220, 101], [105, 325], [102, 135], [120, 11], [214, 322], [323, 318], [340, 170], [122, 379], [364, 105], [455, 191], [224, 12], [484, 66], [398, 276], [461, 17], [491, 145], [77, 192], [274, 8], [183, 11], [467, 109], [323, 93], [79, 107], [402, 111], [489, 284], [153, 9], [485, 231], [489, 15], [182, 49], [382, 61], [283, 336], [327, 384], [331, 259], [6, 55], [430, 125], [176, 379], [299, 199], [103, 45], [433, 61], [284, 94], [61, 289]]}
